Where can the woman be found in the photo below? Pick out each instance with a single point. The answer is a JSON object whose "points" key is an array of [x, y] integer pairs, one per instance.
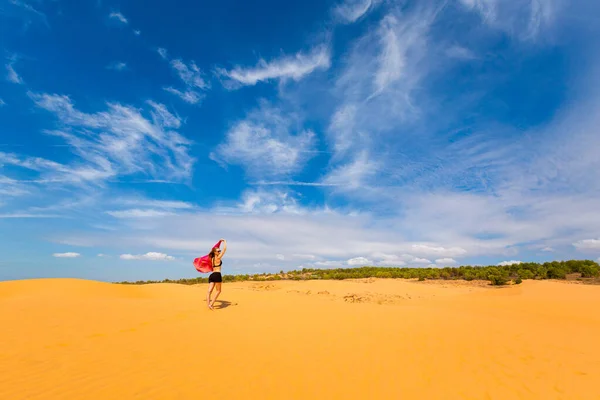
{"points": [[215, 279]]}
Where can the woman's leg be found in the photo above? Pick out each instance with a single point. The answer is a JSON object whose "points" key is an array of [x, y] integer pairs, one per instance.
{"points": [[218, 286], [211, 286]]}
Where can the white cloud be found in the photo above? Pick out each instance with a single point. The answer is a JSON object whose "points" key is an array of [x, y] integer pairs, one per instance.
{"points": [[150, 256], [117, 66], [588, 244], [352, 174], [66, 255], [268, 202], [438, 251], [548, 249], [418, 260], [292, 183], [118, 16], [358, 261], [329, 264], [27, 7], [349, 11], [288, 67], [264, 144], [162, 52], [511, 262], [2, 103], [137, 213], [189, 96], [26, 215], [342, 127], [11, 74], [163, 204], [391, 259], [190, 74], [392, 59], [280, 257], [102, 255], [445, 261], [461, 53], [525, 19], [374, 93], [125, 142], [137, 32]]}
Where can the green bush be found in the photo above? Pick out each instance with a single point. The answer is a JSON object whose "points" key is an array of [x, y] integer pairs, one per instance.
{"points": [[589, 271], [518, 281], [556, 273], [497, 276], [525, 274]]}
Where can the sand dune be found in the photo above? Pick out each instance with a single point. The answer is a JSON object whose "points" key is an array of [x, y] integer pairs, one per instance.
{"points": [[371, 339]]}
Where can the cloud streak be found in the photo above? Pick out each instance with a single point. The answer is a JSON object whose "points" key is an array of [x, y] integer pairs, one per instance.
{"points": [[189, 96], [285, 68], [117, 66], [150, 256], [350, 11], [12, 75], [66, 255], [119, 17]]}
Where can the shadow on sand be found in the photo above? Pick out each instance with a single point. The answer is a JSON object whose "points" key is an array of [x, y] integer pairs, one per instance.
{"points": [[220, 304]]}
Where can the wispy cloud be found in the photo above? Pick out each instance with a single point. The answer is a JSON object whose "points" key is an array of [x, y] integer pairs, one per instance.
{"points": [[288, 67], [118, 16], [137, 32], [349, 11], [267, 143], [460, 52], [30, 10], [374, 92], [352, 175], [191, 75], [525, 19], [150, 256], [189, 96], [292, 183], [147, 208], [162, 52], [66, 255], [2, 103], [137, 213], [588, 244], [166, 204], [11, 74], [428, 250], [18, 215], [117, 66], [268, 202], [126, 143]]}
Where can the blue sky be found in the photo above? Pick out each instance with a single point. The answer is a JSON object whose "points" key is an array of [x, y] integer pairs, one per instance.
{"points": [[309, 134]]}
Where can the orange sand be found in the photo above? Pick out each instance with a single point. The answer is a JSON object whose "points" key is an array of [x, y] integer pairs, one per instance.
{"points": [[372, 339]]}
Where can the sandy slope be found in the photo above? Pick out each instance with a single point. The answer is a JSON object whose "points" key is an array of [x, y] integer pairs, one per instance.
{"points": [[384, 339]]}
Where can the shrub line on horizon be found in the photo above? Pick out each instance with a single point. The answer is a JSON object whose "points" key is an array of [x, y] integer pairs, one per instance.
{"points": [[496, 275]]}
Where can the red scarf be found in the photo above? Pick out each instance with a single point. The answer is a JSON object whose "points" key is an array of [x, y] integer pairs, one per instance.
{"points": [[203, 264]]}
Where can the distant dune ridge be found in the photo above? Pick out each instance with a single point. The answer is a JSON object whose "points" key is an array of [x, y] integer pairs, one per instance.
{"points": [[317, 339]]}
